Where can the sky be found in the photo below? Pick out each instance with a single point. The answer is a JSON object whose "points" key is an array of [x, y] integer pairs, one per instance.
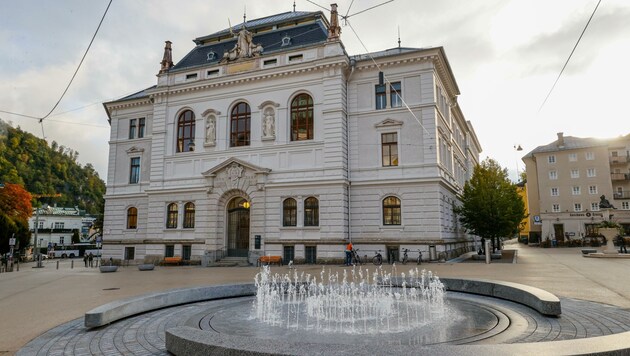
{"points": [[505, 56]]}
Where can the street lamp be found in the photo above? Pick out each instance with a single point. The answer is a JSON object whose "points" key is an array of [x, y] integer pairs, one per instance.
{"points": [[518, 148]]}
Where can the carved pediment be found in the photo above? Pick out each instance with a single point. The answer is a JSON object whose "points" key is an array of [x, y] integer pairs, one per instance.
{"points": [[388, 123], [268, 103], [135, 149], [209, 112], [234, 173]]}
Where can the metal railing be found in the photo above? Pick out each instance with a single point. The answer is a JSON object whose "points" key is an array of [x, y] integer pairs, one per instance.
{"points": [[619, 176], [621, 195]]}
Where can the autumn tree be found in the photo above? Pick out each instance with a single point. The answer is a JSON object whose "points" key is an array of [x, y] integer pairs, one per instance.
{"points": [[490, 204], [15, 209]]}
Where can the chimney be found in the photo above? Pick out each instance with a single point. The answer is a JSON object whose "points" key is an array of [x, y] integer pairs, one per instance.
{"points": [[167, 60], [560, 139], [334, 30]]}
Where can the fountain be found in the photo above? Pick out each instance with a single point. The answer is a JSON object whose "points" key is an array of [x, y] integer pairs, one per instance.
{"points": [[358, 302]]}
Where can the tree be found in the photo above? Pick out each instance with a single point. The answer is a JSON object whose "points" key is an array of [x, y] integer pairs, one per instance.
{"points": [[15, 209], [490, 204]]}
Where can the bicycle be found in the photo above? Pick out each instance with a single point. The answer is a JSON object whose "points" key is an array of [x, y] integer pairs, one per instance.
{"points": [[378, 258], [405, 258], [356, 259]]}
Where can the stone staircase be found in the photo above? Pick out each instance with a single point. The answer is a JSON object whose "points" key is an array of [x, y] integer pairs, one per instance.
{"points": [[230, 262]]}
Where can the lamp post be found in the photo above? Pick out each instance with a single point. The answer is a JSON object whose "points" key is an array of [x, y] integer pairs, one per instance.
{"points": [[518, 148]]}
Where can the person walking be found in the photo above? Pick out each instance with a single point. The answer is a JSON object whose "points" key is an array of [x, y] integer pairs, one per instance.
{"points": [[85, 259], [349, 254], [622, 245], [91, 259]]}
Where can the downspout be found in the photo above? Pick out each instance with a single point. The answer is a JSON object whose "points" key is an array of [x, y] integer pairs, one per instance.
{"points": [[353, 64]]}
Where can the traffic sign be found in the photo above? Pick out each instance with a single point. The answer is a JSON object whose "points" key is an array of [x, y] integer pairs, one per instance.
{"points": [[12, 241]]}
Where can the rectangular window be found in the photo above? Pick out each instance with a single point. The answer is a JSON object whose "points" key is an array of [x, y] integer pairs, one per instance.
{"points": [[141, 125], [381, 97], [270, 62], [625, 205], [555, 208], [191, 76], [614, 153], [389, 146], [59, 225], [61, 240], [310, 254], [553, 175], [169, 251], [289, 254], [594, 206], [212, 72], [575, 173], [577, 207], [132, 128], [591, 172], [186, 252], [576, 191], [130, 253], [297, 57], [572, 157], [134, 171], [555, 192], [551, 159], [592, 189], [590, 156], [395, 95]]}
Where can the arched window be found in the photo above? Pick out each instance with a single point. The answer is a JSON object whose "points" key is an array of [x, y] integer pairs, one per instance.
{"points": [[132, 218], [391, 211], [240, 122], [171, 216], [185, 131], [302, 118], [289, 212], [311, 212], [189, 215]]}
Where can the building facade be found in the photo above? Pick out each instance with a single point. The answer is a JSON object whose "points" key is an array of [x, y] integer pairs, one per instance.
{"points": [[566, 180], [57, 225], [269, 139]]}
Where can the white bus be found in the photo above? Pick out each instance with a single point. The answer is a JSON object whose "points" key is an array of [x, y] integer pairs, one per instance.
{"points": [[75, 250]]}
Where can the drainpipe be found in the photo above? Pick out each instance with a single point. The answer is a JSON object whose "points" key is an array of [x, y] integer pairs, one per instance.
{"points": [[353, 64]]}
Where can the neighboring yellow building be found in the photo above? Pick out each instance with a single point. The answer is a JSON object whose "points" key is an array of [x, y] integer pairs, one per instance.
{"points": [[523, 233]]}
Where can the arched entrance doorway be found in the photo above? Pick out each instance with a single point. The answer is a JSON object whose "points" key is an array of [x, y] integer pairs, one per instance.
{"points": [[238, 227]]}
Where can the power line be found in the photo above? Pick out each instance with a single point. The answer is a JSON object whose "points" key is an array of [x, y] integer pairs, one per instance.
{"points": [[41, 119], [568, 59]]}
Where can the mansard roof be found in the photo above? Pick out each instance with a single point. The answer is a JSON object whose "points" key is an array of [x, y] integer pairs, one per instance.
{"points": [[569, 143], [303, 29]]}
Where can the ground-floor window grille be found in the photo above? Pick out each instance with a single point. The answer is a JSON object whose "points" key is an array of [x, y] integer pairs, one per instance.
{"points": [[169, 251], [289, 253], [311, 254], [186, 252]]}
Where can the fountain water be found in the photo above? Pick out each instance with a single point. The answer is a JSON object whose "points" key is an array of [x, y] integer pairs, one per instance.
{"points": [[359, 302]]}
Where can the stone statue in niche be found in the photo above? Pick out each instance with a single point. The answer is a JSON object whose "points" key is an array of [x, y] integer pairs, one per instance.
{"points": [[211, 130], [234, 173], [269, 124]]}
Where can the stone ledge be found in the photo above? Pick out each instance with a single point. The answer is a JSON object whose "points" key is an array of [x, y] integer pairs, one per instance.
{"points": [[123, 308], [535, 298], [185, 340]]}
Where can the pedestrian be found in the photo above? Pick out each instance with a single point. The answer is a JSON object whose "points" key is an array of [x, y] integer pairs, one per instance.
{"points": [[85, 259], [91, 259], [349, 254], [622, 245]]}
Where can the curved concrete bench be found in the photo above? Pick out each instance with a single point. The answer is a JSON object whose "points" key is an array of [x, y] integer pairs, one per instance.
{"points": [[123, 308], [535, 298], [185, 340], [146, 267], [108, 269]]}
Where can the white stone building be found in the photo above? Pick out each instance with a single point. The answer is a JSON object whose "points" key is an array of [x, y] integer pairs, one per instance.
{"points": [[269, 139], [55, 225]]}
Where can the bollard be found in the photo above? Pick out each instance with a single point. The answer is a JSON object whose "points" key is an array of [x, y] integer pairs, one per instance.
{"points": [[57, 264], [488, 253], [72, 264], [18, 266]]}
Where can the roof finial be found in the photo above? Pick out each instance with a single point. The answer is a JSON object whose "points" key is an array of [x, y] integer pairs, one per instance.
{"points": [[334, 30], [244, 14], [293, 5], [398, 36], [167, 60]]}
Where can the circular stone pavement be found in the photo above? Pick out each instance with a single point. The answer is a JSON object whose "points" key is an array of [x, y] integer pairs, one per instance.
{"points": [[145, 334]]}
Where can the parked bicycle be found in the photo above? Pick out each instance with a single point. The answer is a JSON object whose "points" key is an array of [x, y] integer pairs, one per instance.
{"points": [[378, 258], [356, 259]]}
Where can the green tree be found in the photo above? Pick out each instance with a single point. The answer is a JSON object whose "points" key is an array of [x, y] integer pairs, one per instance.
{"points": [[490, 205]]}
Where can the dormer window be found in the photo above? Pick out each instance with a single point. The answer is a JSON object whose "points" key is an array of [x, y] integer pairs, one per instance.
{"points": [[286, 40], [211, 56]]}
